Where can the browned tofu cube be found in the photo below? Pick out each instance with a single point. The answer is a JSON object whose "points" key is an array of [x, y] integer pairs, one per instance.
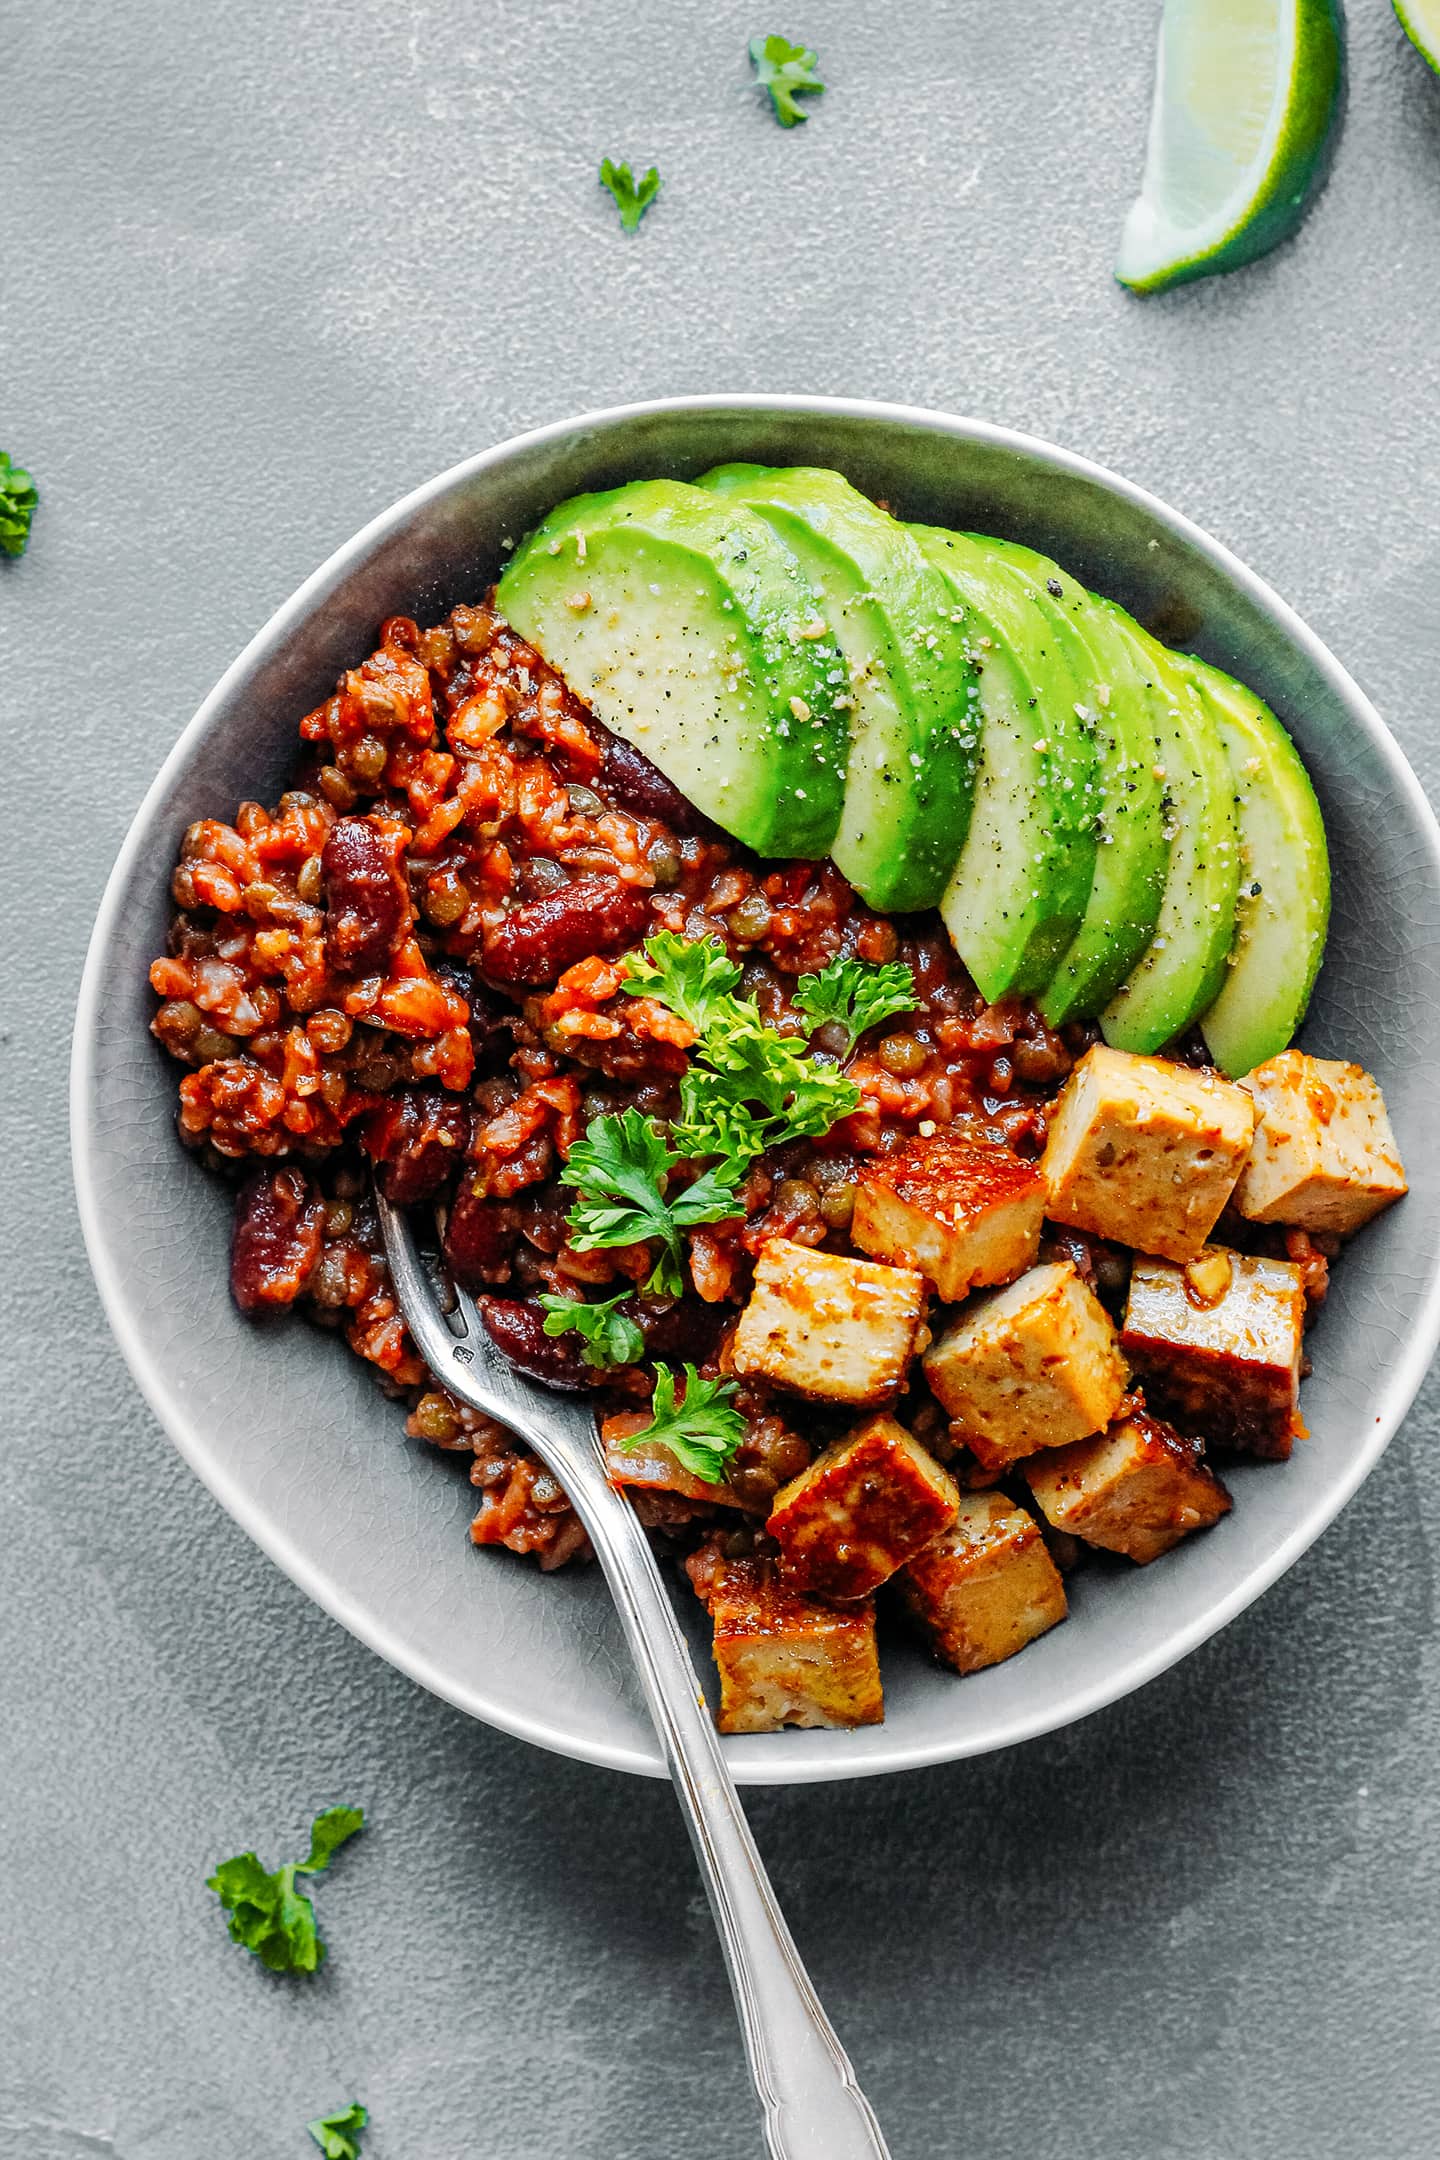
{"points": [[1324, 1156], [1136, 1489], [1145, 1152], [828, 1327], [863, 1507], [1029, 1366], [783, 1658], [964, 1212], [1217, 1345], [986, 1587]]}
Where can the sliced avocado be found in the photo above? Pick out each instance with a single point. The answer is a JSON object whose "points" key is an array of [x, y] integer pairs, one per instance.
{"points": [[687, 627], [913, 734], [1283, 910], [1017, 894], [1132, 851], [1183, 966]]}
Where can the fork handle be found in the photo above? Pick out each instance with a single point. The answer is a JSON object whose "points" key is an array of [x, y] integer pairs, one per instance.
{"points": [[814, 2110]]}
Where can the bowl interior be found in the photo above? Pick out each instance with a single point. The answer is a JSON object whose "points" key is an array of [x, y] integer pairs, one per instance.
{"points": [[292, 1435]]}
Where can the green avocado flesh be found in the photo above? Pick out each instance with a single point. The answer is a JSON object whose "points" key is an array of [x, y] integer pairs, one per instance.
{"points": [[687, 627], [912, 691], [1283, 910], [1119, 831], [1017, 894], [1132, 851], [1183, 966]]}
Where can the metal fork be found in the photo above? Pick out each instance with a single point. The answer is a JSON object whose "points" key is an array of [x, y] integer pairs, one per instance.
{"points": [[813, 2108]]}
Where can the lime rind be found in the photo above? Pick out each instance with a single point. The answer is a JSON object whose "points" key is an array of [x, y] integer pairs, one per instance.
{"points": [[1247, 100], [1420, 21]]}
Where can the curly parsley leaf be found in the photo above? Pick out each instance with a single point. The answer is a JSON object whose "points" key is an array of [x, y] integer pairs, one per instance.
{"points": [[329, 1831], [610, 1337], [18, 499], [769, 1071], [268, 1915], [702, 1431], [338, 2136], [851, 995], [620, 1169], [713, 1121], [632, 197], [749, 1087], [694, 977], [788, 72]]}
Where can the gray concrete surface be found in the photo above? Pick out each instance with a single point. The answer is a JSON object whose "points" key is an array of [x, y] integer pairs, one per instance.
{"points": [[263, 268]]}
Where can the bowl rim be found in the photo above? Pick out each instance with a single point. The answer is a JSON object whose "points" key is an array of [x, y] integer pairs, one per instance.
{"points": [[1397, 1389]]}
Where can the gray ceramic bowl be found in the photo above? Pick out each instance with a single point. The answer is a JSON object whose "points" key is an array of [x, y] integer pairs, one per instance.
{"points": [[290, 1433]]}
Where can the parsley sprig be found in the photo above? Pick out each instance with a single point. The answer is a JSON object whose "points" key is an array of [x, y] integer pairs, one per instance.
{"points": [[702, 1430], [609, 1336], [788, 72], [620, 1170], [748, 1087], [338, 2135], [632, 197], [274, 1920], [18, 499], [694, 977], [851, 995]]}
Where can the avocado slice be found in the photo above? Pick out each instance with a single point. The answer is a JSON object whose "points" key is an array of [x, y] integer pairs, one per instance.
{"points": [[914, 732], [1132, 852], [1283, 911], [1017, 894], [1183, 967], [688, 628]]}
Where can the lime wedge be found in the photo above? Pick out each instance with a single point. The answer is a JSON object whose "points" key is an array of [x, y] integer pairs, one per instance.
{"points": [[1247, 96], [1420, 20]]}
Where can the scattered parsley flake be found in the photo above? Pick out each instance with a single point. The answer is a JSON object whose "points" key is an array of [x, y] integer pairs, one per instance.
{"points": [[18, 499], [702, 1432], [632, 198], [620, 1169], [338, 2136], [268, 1915], [610, 1337], [788, 72], [851, 995]]}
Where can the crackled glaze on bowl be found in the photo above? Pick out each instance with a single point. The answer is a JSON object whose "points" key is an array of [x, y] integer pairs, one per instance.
{"points": [[291, 1434]]}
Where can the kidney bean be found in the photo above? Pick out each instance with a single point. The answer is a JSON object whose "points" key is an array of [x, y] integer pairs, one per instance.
{"points": [[367, 894], [687, 1332], [418, 1137], [517, 1327], [492, 1021], [636, 784], [480, 1237], [278, 1232], [537, 942]]}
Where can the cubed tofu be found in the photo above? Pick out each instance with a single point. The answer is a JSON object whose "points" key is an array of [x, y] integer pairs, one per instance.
{"points": [[964, 1212], [864, 1506], [783, 1658], [1324, 1156], [986, 1587], [1136, 1489], [1217, 1345], [828, 1327], [1145, 1152], [1030, 1366]]}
